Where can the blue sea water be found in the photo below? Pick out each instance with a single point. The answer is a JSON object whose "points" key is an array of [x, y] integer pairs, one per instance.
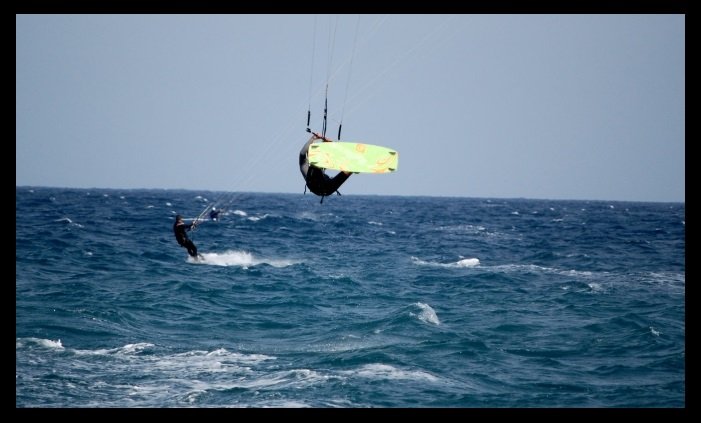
{"points": [[362, 301]]}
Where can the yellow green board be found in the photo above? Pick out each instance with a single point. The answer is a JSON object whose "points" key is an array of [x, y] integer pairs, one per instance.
{"points": [[353, 157]]}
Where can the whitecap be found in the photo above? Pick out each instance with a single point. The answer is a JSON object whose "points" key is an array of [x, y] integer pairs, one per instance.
{"points": [[427, 314], [240, 258], [463, 262], [468, 262], [46, 343], [384, 371]]}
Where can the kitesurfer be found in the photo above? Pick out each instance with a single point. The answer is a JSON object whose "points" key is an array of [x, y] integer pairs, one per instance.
{"points": [[316, 179], [180, 228], [214, 214]]}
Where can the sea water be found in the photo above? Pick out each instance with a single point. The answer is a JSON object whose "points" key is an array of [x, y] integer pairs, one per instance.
{"points": [[359, 301]]}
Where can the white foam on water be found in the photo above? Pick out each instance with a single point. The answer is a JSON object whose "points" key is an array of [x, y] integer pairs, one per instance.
{"points": [[463, 262], [257, 218], [427, 314], [240, 258], [385, 371], [468, 262], [46, 343]]}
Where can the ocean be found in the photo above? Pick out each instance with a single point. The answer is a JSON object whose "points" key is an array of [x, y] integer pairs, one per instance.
{"points": [[357, 302]]}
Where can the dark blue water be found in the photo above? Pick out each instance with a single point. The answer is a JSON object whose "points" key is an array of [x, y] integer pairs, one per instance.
{"points": [[362, 301]]}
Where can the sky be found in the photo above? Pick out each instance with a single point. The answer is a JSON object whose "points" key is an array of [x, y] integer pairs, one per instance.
{"points": [[582, 107]]}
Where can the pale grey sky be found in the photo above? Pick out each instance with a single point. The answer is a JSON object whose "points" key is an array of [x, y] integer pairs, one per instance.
{"points": [[585, 107]]}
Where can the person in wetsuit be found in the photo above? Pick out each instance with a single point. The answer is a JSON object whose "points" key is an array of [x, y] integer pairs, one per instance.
{"points": [[316, 179], [214, 214], [180, 228]]}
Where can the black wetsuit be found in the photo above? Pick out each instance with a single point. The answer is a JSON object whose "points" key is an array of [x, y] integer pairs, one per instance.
{"points": [[179, 228], [317, 181]]}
